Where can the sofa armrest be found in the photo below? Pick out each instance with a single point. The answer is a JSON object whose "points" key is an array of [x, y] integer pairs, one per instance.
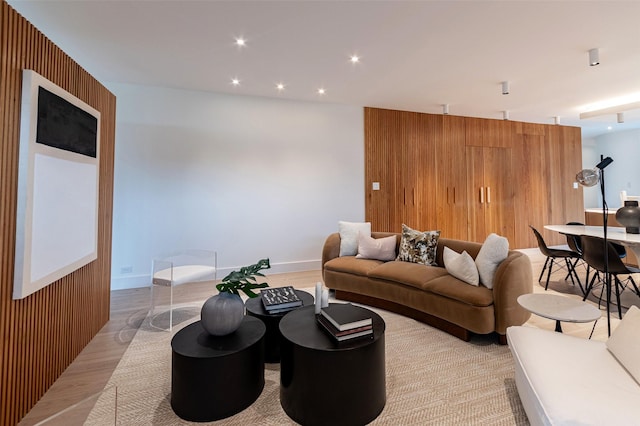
{"points": [[513, 278], [331, 249]]}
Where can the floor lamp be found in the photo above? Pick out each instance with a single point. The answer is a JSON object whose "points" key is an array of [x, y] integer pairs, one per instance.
{"points": [[589, 177]]}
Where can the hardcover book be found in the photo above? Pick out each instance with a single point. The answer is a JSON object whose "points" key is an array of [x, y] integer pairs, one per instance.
{"points": [[279, 298], [343, 335], [345, 316]]}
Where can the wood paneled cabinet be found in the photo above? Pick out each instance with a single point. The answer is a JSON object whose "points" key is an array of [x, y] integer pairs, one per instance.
{"points": [[451, 179], [490, 193], [470, 177], [402, 158]]}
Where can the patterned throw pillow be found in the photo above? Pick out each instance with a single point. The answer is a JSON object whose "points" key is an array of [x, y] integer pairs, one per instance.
{"points": [[418, 247]]}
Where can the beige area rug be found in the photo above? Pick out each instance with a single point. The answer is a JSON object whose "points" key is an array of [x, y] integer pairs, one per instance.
{"points": [[432, 379]]}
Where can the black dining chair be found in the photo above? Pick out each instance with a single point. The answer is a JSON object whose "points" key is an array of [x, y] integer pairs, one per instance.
{"points": [[593, 252], [553, 256], [574, 243]]}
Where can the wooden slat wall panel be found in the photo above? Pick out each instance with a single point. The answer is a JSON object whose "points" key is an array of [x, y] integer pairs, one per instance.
{"points": [[383, 130], [42, 334], [535, 175]]}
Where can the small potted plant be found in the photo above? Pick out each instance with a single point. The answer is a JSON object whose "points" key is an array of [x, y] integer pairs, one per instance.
{"points": [[222, 313]]}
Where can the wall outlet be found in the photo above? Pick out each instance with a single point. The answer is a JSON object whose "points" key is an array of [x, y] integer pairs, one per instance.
{"points": [[575, 185], [376, 186], [126, 269]]}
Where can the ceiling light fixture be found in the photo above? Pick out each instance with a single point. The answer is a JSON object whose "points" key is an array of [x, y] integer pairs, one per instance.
{"points": [[505, 87], [505, 115], [241, 42], [354, 59], [620, 117], [556, 120], [235, 82], [321, 91], [280, 86], [445, 109], [594, 57]]}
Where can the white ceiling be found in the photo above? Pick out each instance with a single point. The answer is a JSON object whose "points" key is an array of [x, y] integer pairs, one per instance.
{"points": [[415, 55]]}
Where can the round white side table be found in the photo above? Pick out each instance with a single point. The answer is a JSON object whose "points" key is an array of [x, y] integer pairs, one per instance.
{"points": [[559, 308]]}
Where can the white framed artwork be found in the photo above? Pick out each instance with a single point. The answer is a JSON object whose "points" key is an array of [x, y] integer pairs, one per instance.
{"points": [[57, 205]]}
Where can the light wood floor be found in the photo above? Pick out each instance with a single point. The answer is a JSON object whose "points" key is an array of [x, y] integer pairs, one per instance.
{"points": [[91, 370]]}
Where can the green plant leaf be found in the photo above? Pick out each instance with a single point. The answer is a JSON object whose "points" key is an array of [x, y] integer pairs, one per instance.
{"points": [[244, 279]]}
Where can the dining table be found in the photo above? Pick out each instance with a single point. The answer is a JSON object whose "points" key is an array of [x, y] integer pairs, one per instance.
{"points": [[615, 234]]}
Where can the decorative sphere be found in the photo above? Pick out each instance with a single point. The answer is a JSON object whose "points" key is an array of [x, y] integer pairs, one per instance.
{"points": [[222, 314]]}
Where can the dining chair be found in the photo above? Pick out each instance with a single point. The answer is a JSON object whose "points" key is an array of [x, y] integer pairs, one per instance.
{"points": [[593, 252], [553, 256]]}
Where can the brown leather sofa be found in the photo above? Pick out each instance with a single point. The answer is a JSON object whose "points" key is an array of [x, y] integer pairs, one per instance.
{"points": [[428, 293]]}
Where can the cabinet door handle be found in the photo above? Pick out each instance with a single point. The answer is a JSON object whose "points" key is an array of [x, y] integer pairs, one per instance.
{"points": [[481, 195], [454, 195], [488, 194]]}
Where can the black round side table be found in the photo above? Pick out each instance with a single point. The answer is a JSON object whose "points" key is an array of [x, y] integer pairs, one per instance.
{"points": [[325, 382], [216, 377], [272, 337]]}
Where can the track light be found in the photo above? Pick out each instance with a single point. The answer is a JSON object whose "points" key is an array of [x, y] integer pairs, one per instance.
{"points": [[621, 117], [445, 109], [594, 57], [505, 87], [505, 115]]}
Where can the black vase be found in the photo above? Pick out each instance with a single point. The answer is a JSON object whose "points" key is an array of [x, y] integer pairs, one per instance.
{"points": [[629, 216], [222, 314]]}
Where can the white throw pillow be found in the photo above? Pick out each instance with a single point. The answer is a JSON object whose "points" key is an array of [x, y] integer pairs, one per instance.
{"points": [[376, 248], [461, 266], [494, 250], [624, 342], [349, 236]]}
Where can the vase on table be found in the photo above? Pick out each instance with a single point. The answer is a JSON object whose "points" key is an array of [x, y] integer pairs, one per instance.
{"points": [[222, 314], [629, 216]]}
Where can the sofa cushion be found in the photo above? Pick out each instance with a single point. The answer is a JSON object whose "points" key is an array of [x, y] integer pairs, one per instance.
{"points": [[452, 288], [349, 236], [461, 266], [411, 274], [351, 265], [494, 250], [418, 247], [624, 342], [376, 248]]}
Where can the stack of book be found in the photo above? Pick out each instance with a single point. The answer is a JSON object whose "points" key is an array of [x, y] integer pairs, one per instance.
{"points": [[343, 321], [280, 299]]}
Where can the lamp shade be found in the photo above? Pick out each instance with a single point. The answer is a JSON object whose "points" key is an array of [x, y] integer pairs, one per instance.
{"points": [[588, 177]]}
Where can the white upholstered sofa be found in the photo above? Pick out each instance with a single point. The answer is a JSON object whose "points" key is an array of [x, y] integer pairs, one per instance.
{"points": [[566, 380]]}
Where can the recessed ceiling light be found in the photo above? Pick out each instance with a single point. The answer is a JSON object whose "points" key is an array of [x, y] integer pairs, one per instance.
{"points": [[609, 127], [321, 91], [235, 82], [241, 42], [354, 59], [280, 86]]}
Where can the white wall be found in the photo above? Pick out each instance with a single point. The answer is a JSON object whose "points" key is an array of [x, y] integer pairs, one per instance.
{"points": [[624, 172], [249, 177]]}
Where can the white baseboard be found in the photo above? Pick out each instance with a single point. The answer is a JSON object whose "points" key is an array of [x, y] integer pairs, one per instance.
{"points": [[137, 281]]}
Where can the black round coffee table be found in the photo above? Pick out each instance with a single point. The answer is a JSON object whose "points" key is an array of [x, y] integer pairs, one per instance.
{"points": [[325, 382], [216, 377], [255, 308]]}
